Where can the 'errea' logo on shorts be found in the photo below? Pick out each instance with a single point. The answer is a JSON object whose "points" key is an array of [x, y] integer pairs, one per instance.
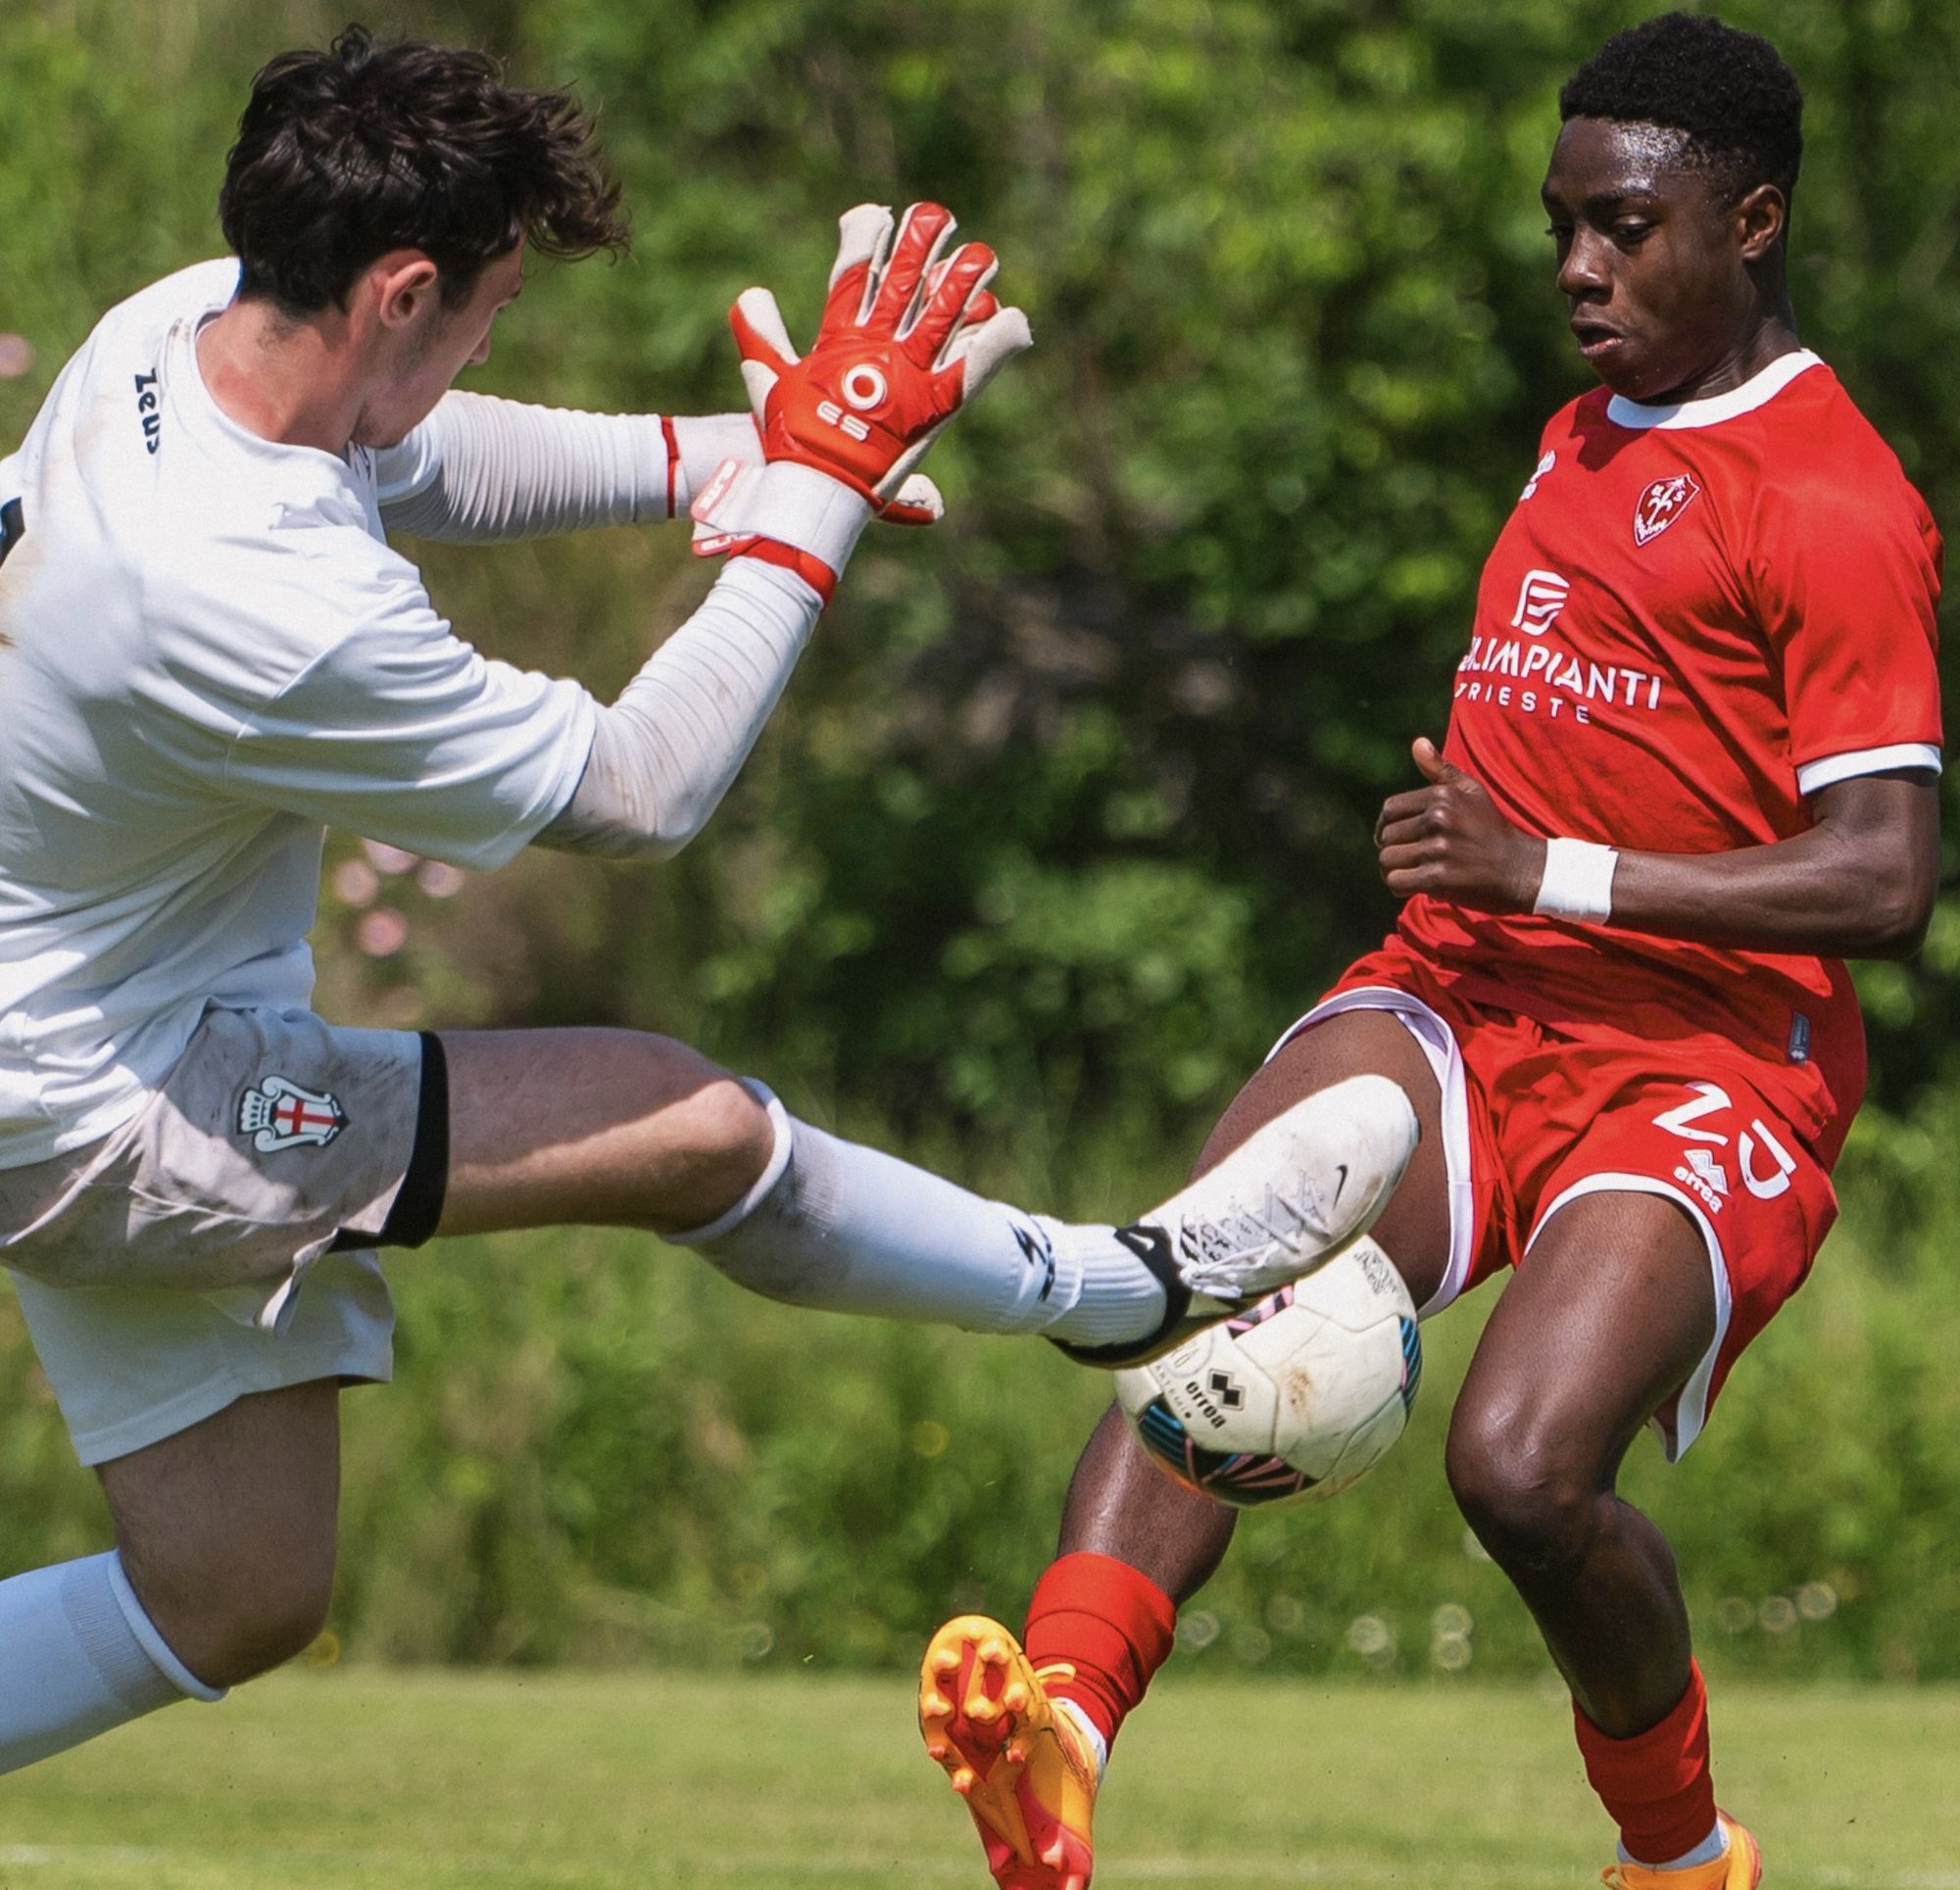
{"points": [[279, 1114], [1765, 1179]]}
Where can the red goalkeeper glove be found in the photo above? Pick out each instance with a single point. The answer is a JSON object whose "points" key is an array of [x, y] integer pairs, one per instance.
{"points": [[907, 339]]}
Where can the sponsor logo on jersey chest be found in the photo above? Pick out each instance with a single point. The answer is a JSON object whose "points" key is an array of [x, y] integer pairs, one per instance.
{"points": [[1541, 597], [1532, 671], [1663, 503]]}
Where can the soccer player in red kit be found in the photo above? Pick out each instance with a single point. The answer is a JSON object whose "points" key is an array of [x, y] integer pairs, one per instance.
{"points": [[1691, 766]]}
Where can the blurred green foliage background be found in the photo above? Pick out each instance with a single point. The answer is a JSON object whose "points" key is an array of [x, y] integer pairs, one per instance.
{"points": [[1067, 812]]}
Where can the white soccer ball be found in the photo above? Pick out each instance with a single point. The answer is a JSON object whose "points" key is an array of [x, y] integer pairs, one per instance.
{"points": [[1294, 1399]]}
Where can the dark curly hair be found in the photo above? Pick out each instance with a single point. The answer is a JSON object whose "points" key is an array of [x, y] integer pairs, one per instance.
{"points": [[1729, 92], [347, 153]]}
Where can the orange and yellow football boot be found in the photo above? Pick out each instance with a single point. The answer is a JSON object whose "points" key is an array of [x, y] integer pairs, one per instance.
{"points": [[1741, 1870], [1027, 1770]]}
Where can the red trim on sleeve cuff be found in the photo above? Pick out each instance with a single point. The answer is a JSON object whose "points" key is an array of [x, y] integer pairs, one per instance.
{"points": [[673, 467]]}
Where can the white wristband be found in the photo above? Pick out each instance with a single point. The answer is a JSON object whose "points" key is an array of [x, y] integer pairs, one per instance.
{"points": [[1577, 882]]}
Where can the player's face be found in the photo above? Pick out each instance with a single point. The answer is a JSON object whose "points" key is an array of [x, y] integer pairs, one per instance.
{"points": [[1655, 265], [431, 346]]}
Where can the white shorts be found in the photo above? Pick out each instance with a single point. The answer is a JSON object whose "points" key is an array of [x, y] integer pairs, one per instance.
{"points": [[160, 1271]]}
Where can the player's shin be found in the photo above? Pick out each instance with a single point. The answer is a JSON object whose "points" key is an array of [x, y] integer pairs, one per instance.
{"points": [[841, 1228], [78, 1657], [1103, 1628], [1656, 1786]]}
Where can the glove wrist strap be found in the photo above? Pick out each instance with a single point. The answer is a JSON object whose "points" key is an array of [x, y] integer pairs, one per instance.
{"points": [[791, 504]]}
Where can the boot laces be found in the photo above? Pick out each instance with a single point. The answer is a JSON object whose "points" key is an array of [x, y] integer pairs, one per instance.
{"points": [[1216, 1249]]}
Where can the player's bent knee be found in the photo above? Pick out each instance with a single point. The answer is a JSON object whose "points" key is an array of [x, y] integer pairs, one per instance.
{"points": [[263, 1635], [229, 1624], [1530, 1503], [719, 1141]]}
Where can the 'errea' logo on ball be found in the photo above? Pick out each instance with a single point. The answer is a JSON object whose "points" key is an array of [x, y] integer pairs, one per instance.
{"points": [[1215, 1397]]}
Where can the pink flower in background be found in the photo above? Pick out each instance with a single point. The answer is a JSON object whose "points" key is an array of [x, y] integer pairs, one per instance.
{"points": [[439, 880], [381, 933], [16, 356], [355, 883]]}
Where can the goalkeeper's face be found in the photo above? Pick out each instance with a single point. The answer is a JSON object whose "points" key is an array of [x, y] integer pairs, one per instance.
{"points": [[1655, 259], [420, 344]]}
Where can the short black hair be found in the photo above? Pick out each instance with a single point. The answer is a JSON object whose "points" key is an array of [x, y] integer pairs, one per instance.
{"points": [[1729, 92], [347, 153]]}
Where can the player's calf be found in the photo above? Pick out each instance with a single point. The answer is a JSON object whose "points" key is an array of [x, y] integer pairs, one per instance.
{"points": [[842, 1228]]}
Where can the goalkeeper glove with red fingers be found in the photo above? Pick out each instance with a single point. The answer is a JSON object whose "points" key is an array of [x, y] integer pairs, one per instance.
{"points": [[907, 339]]}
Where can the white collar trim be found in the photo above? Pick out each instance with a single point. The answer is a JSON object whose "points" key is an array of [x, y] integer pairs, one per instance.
{"points": [[1757, 391]]}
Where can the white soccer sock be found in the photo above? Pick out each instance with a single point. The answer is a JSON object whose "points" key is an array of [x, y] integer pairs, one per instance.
{"points": [[1092, 1733], [1714, 1844], [841, 1228], [77, 1656]]}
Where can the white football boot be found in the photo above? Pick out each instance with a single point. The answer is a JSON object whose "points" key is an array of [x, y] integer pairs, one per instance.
{"points": [[1279, 1206]]}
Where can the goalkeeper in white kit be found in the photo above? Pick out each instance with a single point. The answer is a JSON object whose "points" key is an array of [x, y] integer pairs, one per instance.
{"points": [[209, 653]]}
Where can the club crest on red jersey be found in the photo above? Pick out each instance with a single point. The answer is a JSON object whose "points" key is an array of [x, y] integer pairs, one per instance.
{"points": [[279, 1114], [1661, 505]]}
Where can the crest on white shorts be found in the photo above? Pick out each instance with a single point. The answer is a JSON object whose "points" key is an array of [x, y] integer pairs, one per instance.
{"points": [[279, 1114]]}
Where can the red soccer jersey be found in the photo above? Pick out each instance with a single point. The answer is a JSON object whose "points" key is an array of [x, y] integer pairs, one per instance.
{"points": [[1695, 617]]}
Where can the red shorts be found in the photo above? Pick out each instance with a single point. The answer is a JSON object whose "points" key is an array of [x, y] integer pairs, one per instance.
{"points": [[1534, 1117]]}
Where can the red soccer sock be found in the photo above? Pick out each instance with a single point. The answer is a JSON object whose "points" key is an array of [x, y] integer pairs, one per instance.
{"points": [[1111, 1624], [1656, 1786]]}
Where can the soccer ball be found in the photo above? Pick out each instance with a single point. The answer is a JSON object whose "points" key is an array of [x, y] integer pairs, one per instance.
{"points": [[1294, 1399]]}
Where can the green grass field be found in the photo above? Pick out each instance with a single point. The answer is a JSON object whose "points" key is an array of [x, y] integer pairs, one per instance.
{"points": [[360, 1778]]}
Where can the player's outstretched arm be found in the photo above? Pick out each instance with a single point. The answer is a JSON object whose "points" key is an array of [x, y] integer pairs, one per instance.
{"points": [[907, 336], [486, 471], [1859, 884]]}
